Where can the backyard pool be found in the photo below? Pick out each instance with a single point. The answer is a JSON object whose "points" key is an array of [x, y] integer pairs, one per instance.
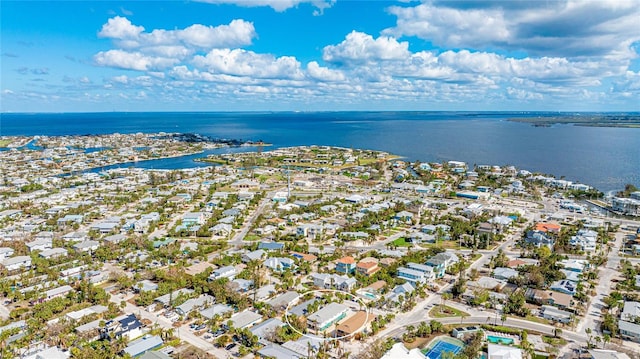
{"points": [[499, 340], [441, 345]]}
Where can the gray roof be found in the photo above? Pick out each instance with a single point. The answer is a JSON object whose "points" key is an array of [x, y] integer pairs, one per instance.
{"points": [[263, 329], [629, 327], [327, 312], [155, 355], [218, 309], [245, 319], [284, 299], [142, 345]]}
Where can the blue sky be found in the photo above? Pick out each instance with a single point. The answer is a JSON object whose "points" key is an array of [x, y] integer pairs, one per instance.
{"points": [[228, 55]]}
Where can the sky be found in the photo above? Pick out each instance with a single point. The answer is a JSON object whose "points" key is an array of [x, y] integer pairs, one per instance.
{"points": [[320, 55]]}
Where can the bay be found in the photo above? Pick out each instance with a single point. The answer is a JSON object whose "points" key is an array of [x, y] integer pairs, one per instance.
{"points": [[604, 157]]}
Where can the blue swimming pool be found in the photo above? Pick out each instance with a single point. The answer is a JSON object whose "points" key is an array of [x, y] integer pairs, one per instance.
{"points": [[442, 346], [499, 340]]}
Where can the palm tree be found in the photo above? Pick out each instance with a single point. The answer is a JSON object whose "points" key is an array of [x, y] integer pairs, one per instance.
{"points": [[605, 339], [503, 318]]}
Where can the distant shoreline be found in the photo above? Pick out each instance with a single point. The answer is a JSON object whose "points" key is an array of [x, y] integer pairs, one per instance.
{"points": [[600, 120]]}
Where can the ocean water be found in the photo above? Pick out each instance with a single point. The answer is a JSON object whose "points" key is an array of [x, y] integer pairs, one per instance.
{"points": [[606, 158]]}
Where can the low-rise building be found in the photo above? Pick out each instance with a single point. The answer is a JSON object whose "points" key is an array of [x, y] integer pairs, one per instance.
{"points": [[327, 316]]}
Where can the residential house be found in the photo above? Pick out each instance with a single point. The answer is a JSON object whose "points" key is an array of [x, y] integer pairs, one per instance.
{"points": [[549, 297], [140, 346], [327, 316], [630, 311], [357, 323], [564, 286], [53, 253], [346, 265], [539, 239], [41, 244], [245, 319], [367, 268], [127, 326], [266, 328], [399, 290], [496, 351], [327, 281], [283, 300], [145, 286], [629, 331], [194, 303], [168, 299], [5, 252], [223, 272], [57, 292], [607, 354], [279, 264], [277, 351], [271, 246], [18, 262], [253, 256], [216, 309], [399, 351], [554, 314], [86, 246], [504, 273], [441, 261]]}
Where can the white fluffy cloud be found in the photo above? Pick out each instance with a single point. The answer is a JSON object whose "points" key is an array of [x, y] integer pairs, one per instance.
{"points": [[324, 74], [566, 28], [132, 60], [239, 62], [277, 5], [359, 47], [237, 33]]}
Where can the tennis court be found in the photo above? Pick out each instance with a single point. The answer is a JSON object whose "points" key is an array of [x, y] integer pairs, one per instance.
{"points": [[440, 347]]}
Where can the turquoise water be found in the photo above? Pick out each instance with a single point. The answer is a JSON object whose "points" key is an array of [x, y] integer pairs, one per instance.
{"points": [[499, 340]]}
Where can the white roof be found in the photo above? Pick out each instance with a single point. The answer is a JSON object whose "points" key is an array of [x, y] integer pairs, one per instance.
{"points": [[399, 351], [496, 351]]}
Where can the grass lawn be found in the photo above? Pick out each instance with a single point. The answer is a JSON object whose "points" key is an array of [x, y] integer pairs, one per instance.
{"points": [[401, 242], [533, 318], [439, 311], [251, 237], [417, 343], [554, 341]]}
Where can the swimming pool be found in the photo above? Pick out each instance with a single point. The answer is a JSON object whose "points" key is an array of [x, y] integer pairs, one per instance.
{"points": [[442, 346], [499, 340]]}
